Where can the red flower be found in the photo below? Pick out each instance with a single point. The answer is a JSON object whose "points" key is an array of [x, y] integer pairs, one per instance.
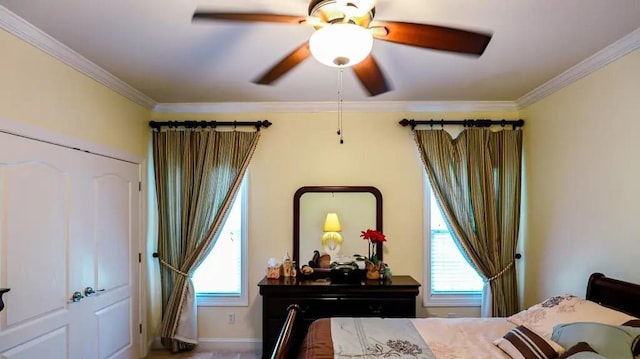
{"points": [[373, 236]]}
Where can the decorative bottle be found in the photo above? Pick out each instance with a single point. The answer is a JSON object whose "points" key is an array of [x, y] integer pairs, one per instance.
{"points": [[286, 265]]}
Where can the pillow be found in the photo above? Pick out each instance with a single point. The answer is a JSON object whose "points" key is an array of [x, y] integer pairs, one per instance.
{"points": [[611, 341], [522, 343], [586, 355], [542, 317], [580, 350]]}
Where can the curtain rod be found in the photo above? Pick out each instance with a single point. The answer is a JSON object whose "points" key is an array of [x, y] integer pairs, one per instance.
{"points": [[213, 124], [466, 123]]}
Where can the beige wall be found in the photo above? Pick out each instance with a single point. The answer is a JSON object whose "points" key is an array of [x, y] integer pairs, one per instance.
{"points": [[37, 89], [302, 150], [582, 148]]}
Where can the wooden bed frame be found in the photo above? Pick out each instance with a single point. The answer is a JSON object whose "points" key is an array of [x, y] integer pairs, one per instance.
{"points": [[612, 293]]}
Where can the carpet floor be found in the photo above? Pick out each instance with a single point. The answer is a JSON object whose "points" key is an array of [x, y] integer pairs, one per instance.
{"points": [[163, 354]]}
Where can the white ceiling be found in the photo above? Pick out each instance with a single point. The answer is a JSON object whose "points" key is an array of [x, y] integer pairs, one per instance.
{"points": [[152, 46]]}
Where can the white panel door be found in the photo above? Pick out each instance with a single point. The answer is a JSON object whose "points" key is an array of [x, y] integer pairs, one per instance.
{"points": [[115, 306], [68, 221], [35, 191]]}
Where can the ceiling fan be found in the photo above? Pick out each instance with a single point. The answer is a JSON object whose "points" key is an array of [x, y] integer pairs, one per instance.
{"points": [[344, 34]]}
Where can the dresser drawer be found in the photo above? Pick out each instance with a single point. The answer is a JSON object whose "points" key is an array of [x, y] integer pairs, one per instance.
{"points": [[372, 307], [343, 307], [310, 307]]}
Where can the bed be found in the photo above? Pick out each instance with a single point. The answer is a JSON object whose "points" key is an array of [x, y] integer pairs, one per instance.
{"points": [[604, 323]]}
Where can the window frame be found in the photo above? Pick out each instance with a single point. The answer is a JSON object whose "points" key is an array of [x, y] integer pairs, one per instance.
{"points": [[430, 299], [232, 300]]}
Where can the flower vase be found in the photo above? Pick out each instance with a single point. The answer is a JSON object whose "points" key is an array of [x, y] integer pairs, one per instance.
{"points": [[373, 270]]}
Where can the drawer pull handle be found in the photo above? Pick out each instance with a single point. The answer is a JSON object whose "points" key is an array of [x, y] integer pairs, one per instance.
{"points": [[375, 310]]}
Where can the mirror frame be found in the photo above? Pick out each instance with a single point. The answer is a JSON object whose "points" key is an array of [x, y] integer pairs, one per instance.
{"points": [[307, 189]]}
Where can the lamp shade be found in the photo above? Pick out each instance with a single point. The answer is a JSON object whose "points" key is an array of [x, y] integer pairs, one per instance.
{"points": [[332, 224], [341, 44]]}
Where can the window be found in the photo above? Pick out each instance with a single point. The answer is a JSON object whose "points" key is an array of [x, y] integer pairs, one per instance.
{"points": [[450, 279], [221, 279]]}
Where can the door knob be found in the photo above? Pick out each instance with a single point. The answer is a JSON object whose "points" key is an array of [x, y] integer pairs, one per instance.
{"points": [[88, 291], [76, 296]]}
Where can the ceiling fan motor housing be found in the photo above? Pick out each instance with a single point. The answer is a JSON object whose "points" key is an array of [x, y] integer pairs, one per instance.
{"points": [[332, 12]]}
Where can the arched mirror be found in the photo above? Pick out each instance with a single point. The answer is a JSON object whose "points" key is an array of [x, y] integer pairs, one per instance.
{"points": [[320, 210]]}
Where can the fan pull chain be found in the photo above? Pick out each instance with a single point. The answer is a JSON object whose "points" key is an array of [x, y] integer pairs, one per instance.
{"points": [[340, 104]]}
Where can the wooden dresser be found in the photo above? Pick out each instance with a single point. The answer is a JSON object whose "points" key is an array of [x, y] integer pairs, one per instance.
{"points": [[321, 299]]}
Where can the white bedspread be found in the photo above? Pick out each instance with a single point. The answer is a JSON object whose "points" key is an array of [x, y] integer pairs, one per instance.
{"points": [[424, 338], [456, 338]]}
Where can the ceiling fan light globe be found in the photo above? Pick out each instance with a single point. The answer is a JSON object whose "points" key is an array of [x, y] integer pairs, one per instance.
{"points": [[341, 45]]}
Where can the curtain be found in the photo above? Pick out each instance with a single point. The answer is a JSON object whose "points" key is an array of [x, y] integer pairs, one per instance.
{"points": [[476, 180], [197, 174]]}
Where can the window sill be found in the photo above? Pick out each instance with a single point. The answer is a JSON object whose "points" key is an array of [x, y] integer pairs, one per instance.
{"points": [[203, 300], [444, 300]]}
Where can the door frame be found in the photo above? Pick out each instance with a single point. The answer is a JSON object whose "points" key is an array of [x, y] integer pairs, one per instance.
{"points": [[56, 138]]}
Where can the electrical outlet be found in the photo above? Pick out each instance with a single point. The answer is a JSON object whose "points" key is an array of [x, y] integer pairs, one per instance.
{"points": [[231, 318]]}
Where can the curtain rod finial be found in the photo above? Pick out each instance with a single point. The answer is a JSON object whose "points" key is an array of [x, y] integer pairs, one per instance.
{"points": [[404, 122]]}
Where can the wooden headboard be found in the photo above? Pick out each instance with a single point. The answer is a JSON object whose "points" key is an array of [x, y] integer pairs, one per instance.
{"points": [[614, 293]]}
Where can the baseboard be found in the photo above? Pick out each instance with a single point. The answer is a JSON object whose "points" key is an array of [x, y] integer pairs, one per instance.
{"points": [[225, 344], [154, 343]]}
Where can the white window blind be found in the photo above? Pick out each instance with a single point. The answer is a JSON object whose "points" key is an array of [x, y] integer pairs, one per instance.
{"points": [[452, 280], [220, 278]]}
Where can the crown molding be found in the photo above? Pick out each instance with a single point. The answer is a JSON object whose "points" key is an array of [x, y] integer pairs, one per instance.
{"points": [[19, 27], [618, 49], [314, 107]]}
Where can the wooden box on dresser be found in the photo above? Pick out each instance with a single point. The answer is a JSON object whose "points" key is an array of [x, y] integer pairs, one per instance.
{"points": [[320, 298]]}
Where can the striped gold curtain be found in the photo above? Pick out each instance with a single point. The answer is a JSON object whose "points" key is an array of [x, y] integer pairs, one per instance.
{"points": [[197, 173], [476, 180]]}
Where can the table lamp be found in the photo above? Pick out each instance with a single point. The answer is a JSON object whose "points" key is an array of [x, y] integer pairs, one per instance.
{"points": [[331, 239]]}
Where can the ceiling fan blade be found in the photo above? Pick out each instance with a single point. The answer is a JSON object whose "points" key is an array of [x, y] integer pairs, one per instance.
{"points": [[371, 77], [434, 37], [249, 17], [283, 66]]}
